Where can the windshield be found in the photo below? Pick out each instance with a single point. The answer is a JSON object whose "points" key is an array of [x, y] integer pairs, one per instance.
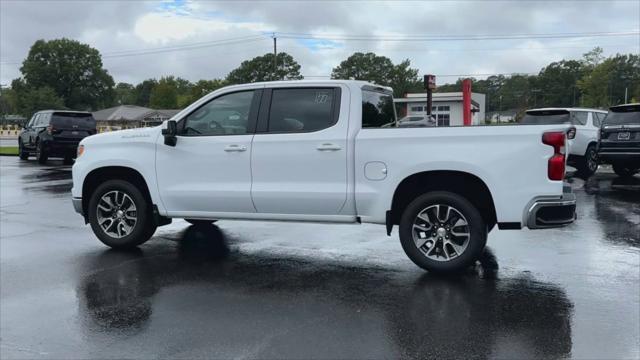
{"points": [[621, 116], [377, 109], [73, 121], [546, 117]]}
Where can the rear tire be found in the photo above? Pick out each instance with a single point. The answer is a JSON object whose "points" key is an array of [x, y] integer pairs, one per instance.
{"points": [[624, 170], [200, 222], [588, 164], [442, 248], [22, 153], [120, 215], [41, 154]]}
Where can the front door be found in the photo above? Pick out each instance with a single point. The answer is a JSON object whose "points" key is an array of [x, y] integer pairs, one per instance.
{"points": [[209, 169], [299, 157]]}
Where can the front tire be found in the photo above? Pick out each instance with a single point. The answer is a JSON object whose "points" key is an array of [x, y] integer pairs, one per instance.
{"points": [[442, 232], [588, 164], [624, 170], [22, 152], [120, 215]]}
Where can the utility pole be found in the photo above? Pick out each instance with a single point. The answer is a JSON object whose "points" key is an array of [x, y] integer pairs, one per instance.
{"points": [[626, 88], [275, 56]]}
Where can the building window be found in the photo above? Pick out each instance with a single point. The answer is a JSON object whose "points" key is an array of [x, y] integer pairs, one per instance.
{"points": [[443, 108], [443, 119], [417, 108]]}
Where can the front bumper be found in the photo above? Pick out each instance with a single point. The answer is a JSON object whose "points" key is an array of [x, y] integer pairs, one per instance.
{"points": [[544, 212], [77, 205]]}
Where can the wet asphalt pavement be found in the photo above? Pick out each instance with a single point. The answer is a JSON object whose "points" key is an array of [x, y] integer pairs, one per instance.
{"points": [[284, 290]]}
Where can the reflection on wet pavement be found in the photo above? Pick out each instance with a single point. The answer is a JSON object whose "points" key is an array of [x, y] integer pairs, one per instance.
{"points": [[419, 315]]}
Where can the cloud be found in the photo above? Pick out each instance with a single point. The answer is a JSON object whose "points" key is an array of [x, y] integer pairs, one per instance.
{"points": [[133, 26]]}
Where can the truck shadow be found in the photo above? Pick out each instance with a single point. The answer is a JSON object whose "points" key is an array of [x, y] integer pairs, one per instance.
{"points": [[289, 307]]}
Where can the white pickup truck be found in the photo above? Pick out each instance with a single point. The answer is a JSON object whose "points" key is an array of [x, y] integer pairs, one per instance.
{"points": [[324, 151]]}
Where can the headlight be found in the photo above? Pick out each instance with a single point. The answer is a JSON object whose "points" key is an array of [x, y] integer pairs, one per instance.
{"points": [[80, 151]]}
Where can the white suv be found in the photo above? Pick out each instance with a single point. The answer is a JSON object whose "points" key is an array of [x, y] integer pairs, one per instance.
{"points": [[583, 153]]}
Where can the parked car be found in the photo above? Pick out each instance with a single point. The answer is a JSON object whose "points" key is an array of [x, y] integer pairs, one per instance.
{"points": [[417, 121], [620, 139], [323, 151], [55, 133], [583, 148]]}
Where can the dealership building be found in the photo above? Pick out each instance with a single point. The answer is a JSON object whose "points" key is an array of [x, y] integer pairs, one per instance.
{"points": [[446, 107]]}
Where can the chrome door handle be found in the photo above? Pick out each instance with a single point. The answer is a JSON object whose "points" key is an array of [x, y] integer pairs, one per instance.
{"points": [[235, 148], [328, 147]]}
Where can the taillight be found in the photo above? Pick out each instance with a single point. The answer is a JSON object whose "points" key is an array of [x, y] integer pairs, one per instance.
{"points": [[571, 133], [556, 166]]}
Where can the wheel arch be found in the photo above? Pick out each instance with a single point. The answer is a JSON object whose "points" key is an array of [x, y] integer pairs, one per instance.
{"points": [[99, 175], [462, 183]]}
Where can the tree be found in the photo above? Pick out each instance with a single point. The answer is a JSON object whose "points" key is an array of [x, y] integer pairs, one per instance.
{"points": [[29, 100], [380, 70], [72, 70], [165, 94], [143, 91], [200, 89], [557, 83], [261, 68], [605, 85], [592, 58], [368, 67], [125, 94]]}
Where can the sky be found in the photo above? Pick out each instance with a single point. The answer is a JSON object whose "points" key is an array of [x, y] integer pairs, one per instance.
{"points": [[207, 39]]}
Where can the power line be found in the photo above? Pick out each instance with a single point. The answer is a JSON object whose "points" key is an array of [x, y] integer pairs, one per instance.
{"points": [[452, 37], [182, 47]]}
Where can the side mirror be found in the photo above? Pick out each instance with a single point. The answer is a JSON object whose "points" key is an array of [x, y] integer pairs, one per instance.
{"points": [[170, 132]]}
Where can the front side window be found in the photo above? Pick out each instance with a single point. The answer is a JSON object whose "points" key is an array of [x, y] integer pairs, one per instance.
{"points": [[301, 110], [377, 109], [224, 115]]}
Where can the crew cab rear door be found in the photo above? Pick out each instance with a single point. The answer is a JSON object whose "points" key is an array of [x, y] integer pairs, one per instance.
{"points": [[299, 152]]}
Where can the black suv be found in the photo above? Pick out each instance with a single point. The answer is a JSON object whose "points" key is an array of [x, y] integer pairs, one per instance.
{"points": [[55, 133], [620, 139]]}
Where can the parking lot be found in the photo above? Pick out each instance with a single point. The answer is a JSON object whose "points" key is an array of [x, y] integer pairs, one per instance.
{"points": [[282, 290]]}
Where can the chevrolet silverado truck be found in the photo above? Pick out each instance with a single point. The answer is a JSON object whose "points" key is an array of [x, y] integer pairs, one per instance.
{"points": [[324, 151]]}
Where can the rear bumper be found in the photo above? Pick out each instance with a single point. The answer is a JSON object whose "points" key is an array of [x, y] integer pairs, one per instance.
{"points": [[66, 148], [544, 212], [618, 156]]}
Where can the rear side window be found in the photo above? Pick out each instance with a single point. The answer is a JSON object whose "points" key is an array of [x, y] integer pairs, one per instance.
{"points": [[597, 119], [302, 110], [377, 110], [62, 120], [546, 117], [579, 117]]}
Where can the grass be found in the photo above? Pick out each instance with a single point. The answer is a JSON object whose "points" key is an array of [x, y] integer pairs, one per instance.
{"points": [[8, 150]]}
